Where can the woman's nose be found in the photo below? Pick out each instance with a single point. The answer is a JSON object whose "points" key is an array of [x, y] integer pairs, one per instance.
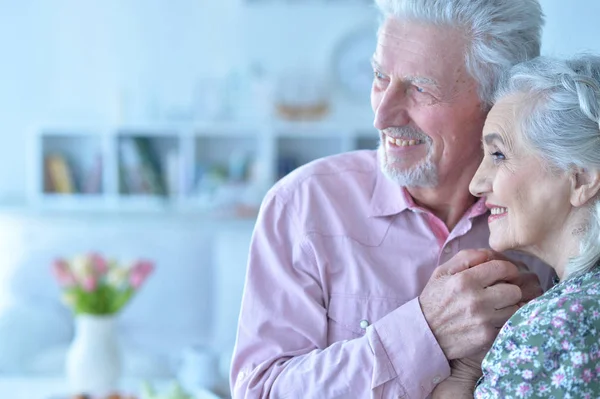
{"points": [[481, 182]]}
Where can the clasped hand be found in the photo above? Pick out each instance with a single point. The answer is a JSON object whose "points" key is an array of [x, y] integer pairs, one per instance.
{"points": [[470, 297]]}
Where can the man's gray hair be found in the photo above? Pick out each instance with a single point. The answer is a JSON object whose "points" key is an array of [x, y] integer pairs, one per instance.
{"points": [[500, 33], [559, 120]]}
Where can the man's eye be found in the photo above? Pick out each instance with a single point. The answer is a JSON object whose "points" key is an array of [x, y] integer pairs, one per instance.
{"points": [[378, 75], [420, 89]]}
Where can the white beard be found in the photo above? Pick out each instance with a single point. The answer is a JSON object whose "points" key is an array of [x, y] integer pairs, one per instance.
{"points": [[424, 174]]}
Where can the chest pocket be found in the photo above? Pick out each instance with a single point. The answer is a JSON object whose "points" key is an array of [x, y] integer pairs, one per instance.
{"points": [[350, 315]]}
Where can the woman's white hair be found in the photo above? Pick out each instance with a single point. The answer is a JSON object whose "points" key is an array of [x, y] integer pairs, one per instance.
{"points": [[501, 33], [560, 121]]}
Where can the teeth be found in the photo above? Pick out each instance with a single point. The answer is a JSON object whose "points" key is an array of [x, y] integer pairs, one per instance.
{"points": [[402, 143], [498, 211]]}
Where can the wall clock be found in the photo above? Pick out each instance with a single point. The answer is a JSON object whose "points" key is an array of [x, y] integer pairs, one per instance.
{"points": [[351, 67]]}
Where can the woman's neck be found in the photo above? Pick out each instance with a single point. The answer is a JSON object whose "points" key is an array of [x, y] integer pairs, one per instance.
{"points": [[560, 249]]}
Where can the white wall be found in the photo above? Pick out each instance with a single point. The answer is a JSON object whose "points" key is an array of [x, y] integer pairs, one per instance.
{"points": [[571, 27], [73, 58], [65, 59], [192, 297]]}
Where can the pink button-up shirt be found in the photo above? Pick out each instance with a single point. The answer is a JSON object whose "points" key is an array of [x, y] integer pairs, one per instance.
{"points": [[338, 258]]}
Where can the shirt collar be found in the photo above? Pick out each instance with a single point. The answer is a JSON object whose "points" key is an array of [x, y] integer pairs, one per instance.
{"points": [[477, 209], [390, 199]]}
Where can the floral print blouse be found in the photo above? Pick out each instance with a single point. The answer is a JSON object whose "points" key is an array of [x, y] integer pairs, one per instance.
{"points": [[550, 348]]}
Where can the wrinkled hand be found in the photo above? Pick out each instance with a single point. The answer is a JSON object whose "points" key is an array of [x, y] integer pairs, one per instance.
{"points": [[463, 378], [470, 297], [527, 280]]}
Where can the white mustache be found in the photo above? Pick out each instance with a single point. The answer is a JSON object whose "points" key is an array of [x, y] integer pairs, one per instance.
{"points": [[407, 133]]}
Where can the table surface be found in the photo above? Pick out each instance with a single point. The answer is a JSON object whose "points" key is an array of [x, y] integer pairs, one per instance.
{"points": [[16, 387]]}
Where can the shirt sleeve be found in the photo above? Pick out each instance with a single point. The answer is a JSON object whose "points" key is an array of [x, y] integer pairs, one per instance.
{"points": [[550, 352], [281, 349]]}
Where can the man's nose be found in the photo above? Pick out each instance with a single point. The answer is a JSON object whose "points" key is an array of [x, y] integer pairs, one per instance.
{"points": [[392, 109]]}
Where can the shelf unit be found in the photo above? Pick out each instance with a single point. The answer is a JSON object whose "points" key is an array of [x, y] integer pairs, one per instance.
{"points": [[204, 167]]}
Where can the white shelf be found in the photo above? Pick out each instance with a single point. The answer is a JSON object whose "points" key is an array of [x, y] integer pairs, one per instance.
{"points": [[202, 155], [70, 201], [360, 122]]}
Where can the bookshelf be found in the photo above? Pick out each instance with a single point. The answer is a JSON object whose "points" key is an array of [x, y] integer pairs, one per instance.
{"points": [[206, 168]]}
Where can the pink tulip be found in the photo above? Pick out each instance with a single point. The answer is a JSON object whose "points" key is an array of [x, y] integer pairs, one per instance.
{"points": [[99, 264], [117, 276], [89, 283], [140, 272], [63, 274]]}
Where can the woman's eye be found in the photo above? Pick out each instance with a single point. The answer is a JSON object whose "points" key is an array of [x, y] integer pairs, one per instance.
{"points": [[497, 156]]}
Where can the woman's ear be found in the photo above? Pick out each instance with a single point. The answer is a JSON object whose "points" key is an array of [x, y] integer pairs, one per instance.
{"points": [[585, 186]]}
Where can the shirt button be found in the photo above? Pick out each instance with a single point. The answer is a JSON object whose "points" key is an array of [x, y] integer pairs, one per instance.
{"points": [[364, 324], [447, 250], [437, 379]]}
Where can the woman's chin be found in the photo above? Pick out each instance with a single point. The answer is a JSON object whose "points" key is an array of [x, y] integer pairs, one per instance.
{"points": [[498, 246]]}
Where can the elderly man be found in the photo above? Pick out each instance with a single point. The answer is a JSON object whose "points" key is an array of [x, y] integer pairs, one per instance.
{"points": [[360, 283]]}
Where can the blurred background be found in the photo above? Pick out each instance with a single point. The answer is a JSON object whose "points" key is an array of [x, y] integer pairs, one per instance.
{"points": [[149, 128]]}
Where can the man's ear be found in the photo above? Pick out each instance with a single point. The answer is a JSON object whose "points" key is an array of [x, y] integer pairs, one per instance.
{"points": [[584, 187]]}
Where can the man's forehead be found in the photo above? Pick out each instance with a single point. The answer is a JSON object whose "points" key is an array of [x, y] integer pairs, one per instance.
{"points": [[432, 72], [393, 30], [430, 48]]}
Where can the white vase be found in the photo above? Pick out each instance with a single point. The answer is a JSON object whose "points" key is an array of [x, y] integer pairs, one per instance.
{"points": [[93, 363]]}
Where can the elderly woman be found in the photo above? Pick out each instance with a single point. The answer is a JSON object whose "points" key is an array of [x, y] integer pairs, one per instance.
{"points": [[541, 179]]}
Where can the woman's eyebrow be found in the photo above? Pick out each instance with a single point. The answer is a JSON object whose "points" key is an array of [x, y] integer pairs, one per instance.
{"points": [[490, 138]]}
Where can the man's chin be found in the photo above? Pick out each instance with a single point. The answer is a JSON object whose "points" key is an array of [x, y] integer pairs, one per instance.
{"points": [[400, 166], [409, 177]]}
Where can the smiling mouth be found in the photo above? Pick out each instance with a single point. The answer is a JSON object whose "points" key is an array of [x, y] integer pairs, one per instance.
{"points": [[402, 142], [497, 211]]}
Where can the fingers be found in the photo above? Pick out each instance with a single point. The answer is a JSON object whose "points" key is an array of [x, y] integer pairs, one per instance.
{"points": [[505, 299], [530, 286], [501, 316], [502, 295], [501, 269], [528, 281], [464, 260], [494, 271]]}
